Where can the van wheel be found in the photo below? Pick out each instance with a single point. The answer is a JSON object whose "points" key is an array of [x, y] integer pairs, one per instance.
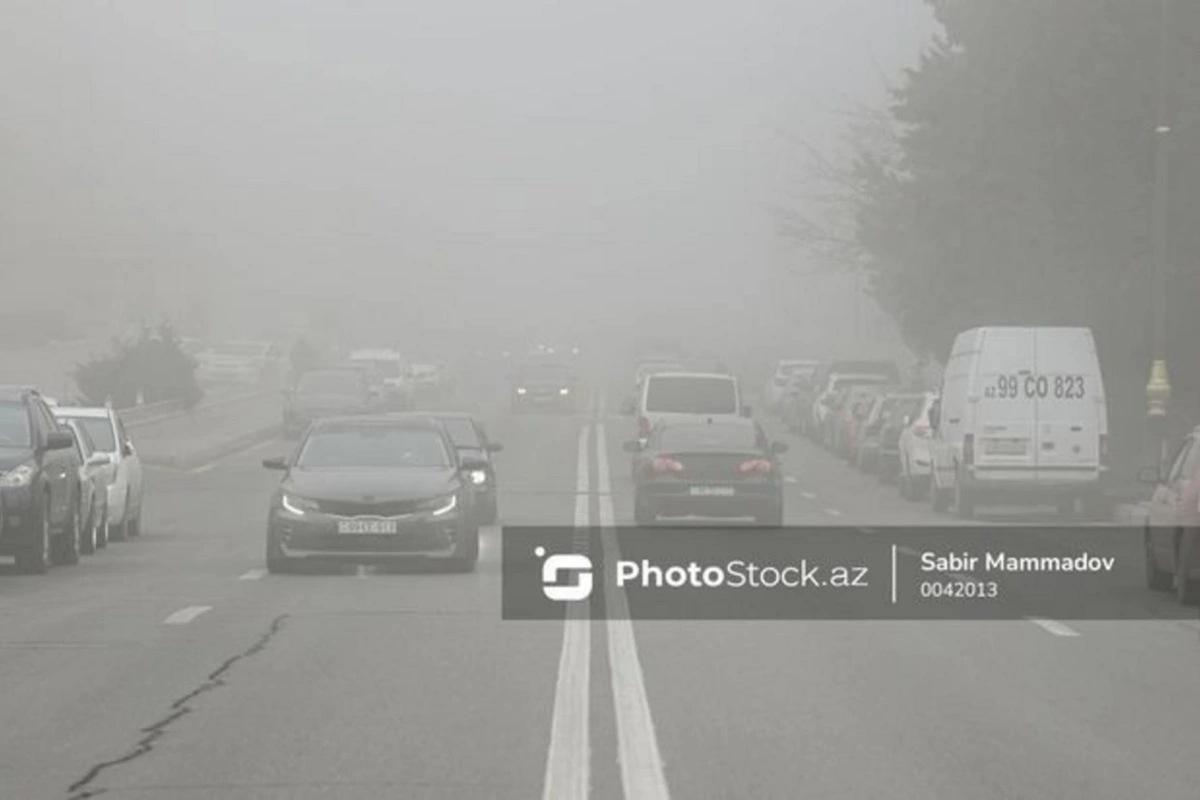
{"points": [[1156, 579]]}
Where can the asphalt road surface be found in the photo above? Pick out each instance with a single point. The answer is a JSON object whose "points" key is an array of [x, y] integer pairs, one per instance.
{"points": [[174, 667]]}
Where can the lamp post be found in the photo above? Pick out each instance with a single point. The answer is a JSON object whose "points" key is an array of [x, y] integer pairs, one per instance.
{"points": [[1158, 388]]}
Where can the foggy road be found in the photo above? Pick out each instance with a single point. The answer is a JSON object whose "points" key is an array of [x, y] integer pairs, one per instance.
{"points": [[177, 668]]}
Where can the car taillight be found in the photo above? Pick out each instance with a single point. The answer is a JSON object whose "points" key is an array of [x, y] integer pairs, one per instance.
{"points": [[921, 431], [969, 449], [663, 464], [755, 465], [643, 428]]}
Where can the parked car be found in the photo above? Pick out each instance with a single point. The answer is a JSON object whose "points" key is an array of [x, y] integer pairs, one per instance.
{"points": [[914, 467], [718, 468], [96, 472], [776, 386], [39, 484], [1172, 534], [829, 398], [126, 490], [879, 439], [795, 407], [851, 418], [1022, 417]]}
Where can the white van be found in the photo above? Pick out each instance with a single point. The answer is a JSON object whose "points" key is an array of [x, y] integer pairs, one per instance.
{"points": [[1022, 416], [687, 395]]}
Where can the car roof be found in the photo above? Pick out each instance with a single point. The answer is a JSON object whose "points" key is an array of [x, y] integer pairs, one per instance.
{"points": [[83, 412]]}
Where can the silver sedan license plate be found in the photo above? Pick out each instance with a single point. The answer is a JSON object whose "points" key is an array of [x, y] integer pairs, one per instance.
{"points": [[366, 526]]}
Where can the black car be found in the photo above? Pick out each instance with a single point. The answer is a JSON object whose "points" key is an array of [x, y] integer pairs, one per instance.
{"points": [[39, 484], [321, 393], [470, 438], [726, 468], [371, 488], [544, 384]]}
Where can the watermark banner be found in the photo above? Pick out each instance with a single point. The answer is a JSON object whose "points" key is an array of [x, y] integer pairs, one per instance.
{"points": [[844, 573]]}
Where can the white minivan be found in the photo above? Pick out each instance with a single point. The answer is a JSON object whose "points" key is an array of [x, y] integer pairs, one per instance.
{"points": [[1022, 417], [675, 396]]}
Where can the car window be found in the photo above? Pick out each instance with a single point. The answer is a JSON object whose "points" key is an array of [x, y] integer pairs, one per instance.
{"points": [[373, 447], [15, 429], [101, 431], [77, 437], [741, 437], [691, 395], [462, 432]]}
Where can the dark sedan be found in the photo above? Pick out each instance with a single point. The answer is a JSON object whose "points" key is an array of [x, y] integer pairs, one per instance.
{"points": [[544, 384], [471, 440], [724, 468], [364, 489]]}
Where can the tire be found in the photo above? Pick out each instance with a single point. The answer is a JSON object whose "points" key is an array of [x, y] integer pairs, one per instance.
{"points": [[277, 562], [34, 557], [964, 502], [120, 533], [466, 552], [66, 546], [91, 538], [1187, 591], [643, 513], [1156, 579]]}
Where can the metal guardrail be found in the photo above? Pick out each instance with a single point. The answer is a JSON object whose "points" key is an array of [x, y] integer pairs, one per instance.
{"points": [[149, 413]]}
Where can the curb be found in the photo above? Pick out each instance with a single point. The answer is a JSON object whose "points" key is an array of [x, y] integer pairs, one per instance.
{"points": [[220, 450]]}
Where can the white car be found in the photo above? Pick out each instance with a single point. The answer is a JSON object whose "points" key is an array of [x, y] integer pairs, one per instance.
{"points": [[126, 489], [238, 362], [1022, 417], [827, 395], [96, 472], [916, 466], [776, 387]]}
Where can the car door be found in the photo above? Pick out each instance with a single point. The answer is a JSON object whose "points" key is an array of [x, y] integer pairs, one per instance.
{"points": [[1165, 501], [57, 465]]}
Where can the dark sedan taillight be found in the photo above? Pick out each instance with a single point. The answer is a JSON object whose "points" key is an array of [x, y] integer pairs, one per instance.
{"points": [[664, 464], [752, 466]]}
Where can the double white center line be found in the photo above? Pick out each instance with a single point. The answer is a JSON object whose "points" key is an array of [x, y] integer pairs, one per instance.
{"points": [[568, 762]]}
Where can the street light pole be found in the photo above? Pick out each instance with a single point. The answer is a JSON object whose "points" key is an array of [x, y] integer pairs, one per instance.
{"points": [[1158, 389]]}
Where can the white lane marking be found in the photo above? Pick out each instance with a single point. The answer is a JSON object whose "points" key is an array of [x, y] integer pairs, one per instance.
{"points": [[1054, 627], [789, 479], [252, 575], [185, 615], [642, 774], [894, 549], [808, 495], [229, 456], [568, 767], [833, 512]]}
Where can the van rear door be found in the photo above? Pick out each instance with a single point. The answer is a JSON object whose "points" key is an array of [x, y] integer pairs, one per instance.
{"points": [[1006, 415], [1070, 400]]}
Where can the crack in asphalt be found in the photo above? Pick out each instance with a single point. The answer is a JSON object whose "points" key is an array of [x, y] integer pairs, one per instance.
{"points": [[178, 709]]}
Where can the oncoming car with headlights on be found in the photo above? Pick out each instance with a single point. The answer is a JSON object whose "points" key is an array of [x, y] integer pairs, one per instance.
{"points": [[368, 489], [544, 383]]}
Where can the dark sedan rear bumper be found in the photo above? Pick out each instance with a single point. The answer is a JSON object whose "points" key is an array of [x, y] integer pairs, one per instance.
{"points": [[677, 500]]}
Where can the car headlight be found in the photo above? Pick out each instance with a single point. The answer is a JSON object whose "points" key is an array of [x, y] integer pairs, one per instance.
{"points": [[18, 476], [520, 390], [564, 391], [299, 506], [440, 506], [478, 477]]}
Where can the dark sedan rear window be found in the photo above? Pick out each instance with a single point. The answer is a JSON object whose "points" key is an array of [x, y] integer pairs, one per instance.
{"points": [[374, 447], [692, 395]]}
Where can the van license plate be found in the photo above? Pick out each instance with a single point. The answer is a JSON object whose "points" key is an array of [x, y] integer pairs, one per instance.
{"points": [[1005, 447], [366, 526], [711, 491]]}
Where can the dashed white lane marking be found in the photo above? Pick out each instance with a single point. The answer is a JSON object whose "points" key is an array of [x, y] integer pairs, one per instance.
{"points": [[642, 773], [252, 575], [833, 512], [808, 495], [1054, 627], [568, 767], [185, 615]]}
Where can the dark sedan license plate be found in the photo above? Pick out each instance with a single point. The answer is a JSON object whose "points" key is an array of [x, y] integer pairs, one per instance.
{"points": [[366, 526], [711, 491]]}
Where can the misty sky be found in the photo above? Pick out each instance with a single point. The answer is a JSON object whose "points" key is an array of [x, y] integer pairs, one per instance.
{"points": [[445, 163]]}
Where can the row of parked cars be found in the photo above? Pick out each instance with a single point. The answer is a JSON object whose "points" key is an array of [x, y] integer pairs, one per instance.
{"points": [[1020, 418], [70, 480]]}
